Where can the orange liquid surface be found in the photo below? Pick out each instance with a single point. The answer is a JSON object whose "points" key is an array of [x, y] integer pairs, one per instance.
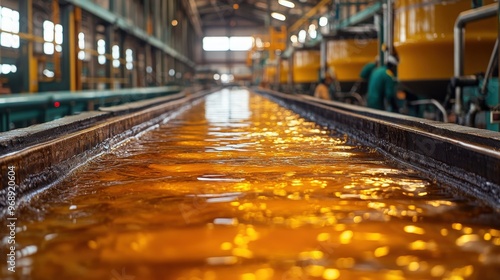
{"points": [[237, 187]]}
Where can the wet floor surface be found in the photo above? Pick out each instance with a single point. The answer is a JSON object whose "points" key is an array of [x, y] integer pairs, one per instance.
{"points": [[236, 187]]}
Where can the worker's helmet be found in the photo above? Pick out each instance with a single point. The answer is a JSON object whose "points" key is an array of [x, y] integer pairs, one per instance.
{"points": [[392, 59]]}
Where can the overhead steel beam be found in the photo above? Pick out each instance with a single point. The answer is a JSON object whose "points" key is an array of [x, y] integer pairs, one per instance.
{"points": [[363, 15], [131, 29], [313, 11], [194, 15]]}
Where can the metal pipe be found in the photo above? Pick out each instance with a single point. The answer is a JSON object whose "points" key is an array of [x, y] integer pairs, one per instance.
{"points": [[459, 43], [385, 24], [390, 26], [278, 72], [379, 23], [323, 65], [432, 102], [291, 82], [489, 71]]}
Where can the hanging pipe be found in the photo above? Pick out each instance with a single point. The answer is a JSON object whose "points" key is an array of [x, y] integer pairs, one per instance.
{"points": [[489, 71], [459, 43]]}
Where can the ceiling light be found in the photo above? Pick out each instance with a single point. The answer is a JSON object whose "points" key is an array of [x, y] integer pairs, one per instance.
{"points": [[323, 21], [286, 3], [174, 22], [302, 36], [278, 16]]}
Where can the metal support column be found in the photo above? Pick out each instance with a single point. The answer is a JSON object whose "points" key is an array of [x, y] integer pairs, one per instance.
{"points": [[147, 18], [170, 16], [147, 63], [158, 67], [124, 9], [291, 86], [268, 15], [26, 60], [69, 57], [123, 71], [110, 40], [390, 26], [184, 43], [78, 63], [112, 6], [164, 67], [57, 17], [322, 52], [162, 19], [379, 22]]}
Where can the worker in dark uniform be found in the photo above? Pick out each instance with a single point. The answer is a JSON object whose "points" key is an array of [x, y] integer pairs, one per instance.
{"points": [[361, 85], [382, 86], [367, 70]]}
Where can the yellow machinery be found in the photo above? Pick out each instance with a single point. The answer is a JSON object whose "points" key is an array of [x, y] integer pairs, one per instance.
{"points": [[263, 56], [347, 57], [305, 72], [423, 37], [284, 70], [270, 76], [306, 65]]}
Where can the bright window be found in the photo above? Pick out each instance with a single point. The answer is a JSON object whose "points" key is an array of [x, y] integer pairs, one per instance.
{"points": [[221, 43], [115, 52], [52, 34], [81, 45], [240, 43], [9, 23], [129, 59], [8, 68], [216, 43], [101, 50]]}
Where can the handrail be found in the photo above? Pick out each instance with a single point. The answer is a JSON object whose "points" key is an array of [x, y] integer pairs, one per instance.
{"points": [[23, 99], [432, 102], [23, 109]]}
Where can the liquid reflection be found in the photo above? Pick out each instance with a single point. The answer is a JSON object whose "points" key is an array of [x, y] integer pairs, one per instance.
{"points": [[275, 198]]}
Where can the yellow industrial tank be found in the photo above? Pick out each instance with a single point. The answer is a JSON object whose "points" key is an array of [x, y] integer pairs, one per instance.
{"points": [[423, 37], [284, 68], [270, 75], [348, 56], [306, 65]]}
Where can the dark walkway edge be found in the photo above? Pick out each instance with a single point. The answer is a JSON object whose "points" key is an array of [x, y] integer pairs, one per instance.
{"points": [[462, 157], [57, 148]]}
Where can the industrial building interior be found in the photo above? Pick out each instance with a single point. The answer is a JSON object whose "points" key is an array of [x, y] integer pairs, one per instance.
{"points": [[185, 139]]}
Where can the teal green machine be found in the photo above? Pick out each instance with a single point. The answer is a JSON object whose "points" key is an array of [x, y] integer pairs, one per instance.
{"points": [[476, 97]]}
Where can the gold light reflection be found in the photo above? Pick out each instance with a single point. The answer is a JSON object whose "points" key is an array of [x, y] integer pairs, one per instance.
{"points": [[381, 251], [331, 273], [345, 237], [414, 229], [249, 190]]}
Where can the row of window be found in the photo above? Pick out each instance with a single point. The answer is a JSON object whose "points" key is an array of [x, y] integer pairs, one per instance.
{"points": [[53, 39], [9, 25], [8, 68], [222, 43]]}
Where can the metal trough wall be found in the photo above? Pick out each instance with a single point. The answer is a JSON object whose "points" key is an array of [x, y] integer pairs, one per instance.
{"points": [[45, 153], [463, 157]]}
